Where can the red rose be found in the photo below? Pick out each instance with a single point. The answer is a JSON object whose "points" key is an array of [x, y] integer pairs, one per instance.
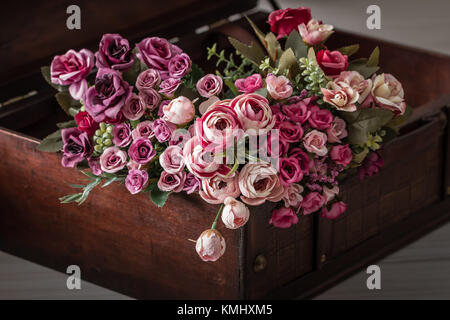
{"points": [[282, 22], [332, 62], [86, 123]]}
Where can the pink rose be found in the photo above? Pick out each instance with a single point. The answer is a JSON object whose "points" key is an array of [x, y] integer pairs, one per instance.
{"points": [[282, 22], [179, 111], [163, 130], [254, 112], [299, 111], [302, 158], [337, 131], [114, 52], [210, 245], [320, 118], [136, 180], [315, 142], [371, 165], [340, 95], [357, 82], [312, 202], [341, 154], [169, 86], [209, 85], [94, 164], [179, 66], [113, 159], [337, 209], [387, 93], [235, 214], [290, 132], [144, 129], [332, 62], [283, 218], [273, 146], [148, 79], [172, 181], [318, 167], [150, 98], [293, 196], [249, 84], [216, 189], [172, 159], [259, 182], [290, 171], [279, 87], [141, 151], [133, 108], [314, 32], [191, 184], [330, 193], [122, 135]]}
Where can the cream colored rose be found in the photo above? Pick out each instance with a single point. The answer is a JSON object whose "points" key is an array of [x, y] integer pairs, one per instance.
{"points": [[387, 93], [341, 95], [357, 82], [315, 32]]}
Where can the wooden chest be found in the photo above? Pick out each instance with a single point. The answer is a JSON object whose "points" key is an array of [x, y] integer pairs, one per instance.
{"points": [[127, 244]]}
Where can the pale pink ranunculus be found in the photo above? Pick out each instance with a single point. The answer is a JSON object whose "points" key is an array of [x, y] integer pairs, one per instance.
{"points": [[210, 246], [113, 159], [204, 106], [312, 202], [387, 93], [293, 196], [330, 193], [337, 131], [235, 214], [357, 82], [171, 159], [283, 218], [134, 108], [314, 32], [279, 87], [341, 154], [200, 161], [259, 182], [249, 84], [254, 112], [320, 119], [209, 85], [341, 96], [144, 129], [136, 181], [216, 189], [315, 142], [172, 181], [336, 210], [179, 111]]}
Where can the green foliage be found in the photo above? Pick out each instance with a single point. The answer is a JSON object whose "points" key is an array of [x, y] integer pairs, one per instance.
{"points": [[51, 143], [191, 79], [349, 50], [137, 67], [366, 67], [313, 76], [157, 196], [45, 70], [67, 124], [295, 42], [288, 62], [254, 52], [70, 106]]}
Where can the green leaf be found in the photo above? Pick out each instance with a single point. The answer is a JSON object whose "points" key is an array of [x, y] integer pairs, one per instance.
{"points": [[374, 58], [262, 92], [349, 50], [158, 197], [67, 124], [45, 70], [397, 121], [312, 56], [132, 73], [193, 76], [295, 42], [67, 103], [51, 143], [288, 61], [361, 67], [254, 52], [184, 91], [107, 183], [273, 47], [258, 32]]}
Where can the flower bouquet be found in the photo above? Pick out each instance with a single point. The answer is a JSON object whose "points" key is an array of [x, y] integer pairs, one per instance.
{"points": [[282, 120]]}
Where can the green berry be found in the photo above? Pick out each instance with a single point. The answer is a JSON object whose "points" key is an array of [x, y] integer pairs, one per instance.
{"points": [[99, 141], [102, 126], [109, 129], [107, 142], [98, 133], [98, 148]]}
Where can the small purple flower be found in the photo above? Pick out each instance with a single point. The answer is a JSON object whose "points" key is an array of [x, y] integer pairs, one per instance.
{"points": [[192, 183], [179, 66], [76, 148], [122, 135], [148, 79], [136, 181], [114, 52], [141, 151], [133, 108], [107, 97], [143, 130], [150, 98], [163, 130], [169, 86]]}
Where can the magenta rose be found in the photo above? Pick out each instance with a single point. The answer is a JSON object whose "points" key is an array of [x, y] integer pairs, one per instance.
{"points": [[320, 119], [76, 146], [337, 130], [336, 210], [172, 181], [290, 132], [71, 69], [290, 171], [298, 112], [86, 123], [313, 202], [114, 52], [192, 183], [209, 85], [133, 108], [163, 130], [143, 130], [283, 218], [141, 151], [122, 135], [302, 158], [169, 86], [341, 154], [332, 62], [283, 21], [136, 181], [119, 118], [113, 159], [371, 165], [106, 98], [179, 66], [250, 84], [148, 79], [172, 160]]}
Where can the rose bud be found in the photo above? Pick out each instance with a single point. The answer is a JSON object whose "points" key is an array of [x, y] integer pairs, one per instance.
{"points": [[179, 111], [235, 214], [210, 245]]}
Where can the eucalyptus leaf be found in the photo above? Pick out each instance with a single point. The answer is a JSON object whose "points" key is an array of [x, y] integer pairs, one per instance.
{"points": [[273, 47], [296, 43], [261, 36], [184, 91], [397, 121], [288, 61], [67, 103], [254, 52], [193, 76], [361, 67], [349, 50], [51, 143]]}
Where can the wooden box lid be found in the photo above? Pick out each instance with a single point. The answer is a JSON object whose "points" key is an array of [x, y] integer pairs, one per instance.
{"points": [[33, 32]]}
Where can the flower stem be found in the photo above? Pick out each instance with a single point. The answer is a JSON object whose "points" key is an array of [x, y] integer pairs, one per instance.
{"points": [[217, 216]]}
